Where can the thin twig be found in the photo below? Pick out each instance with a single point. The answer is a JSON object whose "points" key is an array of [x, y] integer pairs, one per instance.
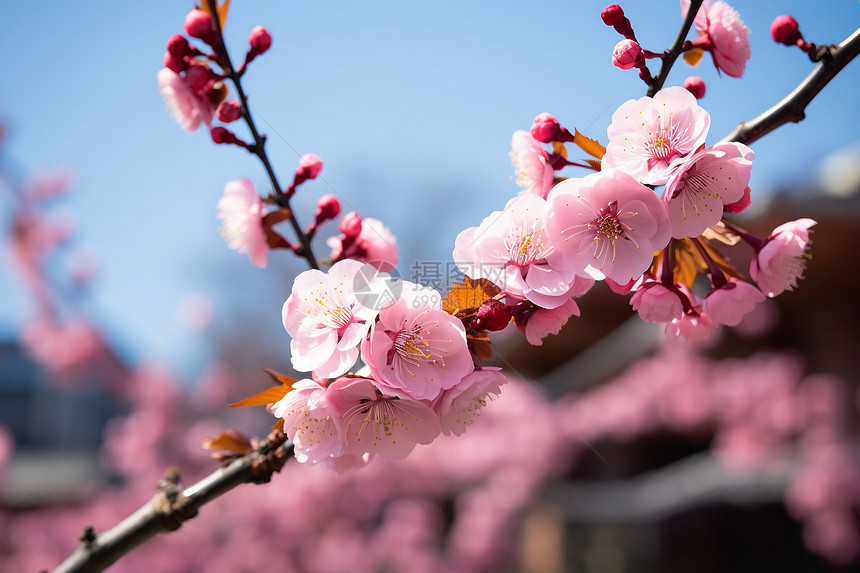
{"points": [[792, 108], [259, 146], [171, 506], [676, 50]]}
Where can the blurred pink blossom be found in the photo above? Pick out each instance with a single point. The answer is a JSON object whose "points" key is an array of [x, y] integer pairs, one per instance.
{"points": [[241, 214]]}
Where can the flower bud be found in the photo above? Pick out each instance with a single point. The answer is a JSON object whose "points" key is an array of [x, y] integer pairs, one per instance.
{"points": [[198, 24], [628, 54], [328, 207], [350, 224], [259, 40], [612, 15], [174, 64], [222, 135], [696, 86], [545, 128], [178, 46], [309, 167], [229, 111], [492, 315], [197, 77], [785, 30]]}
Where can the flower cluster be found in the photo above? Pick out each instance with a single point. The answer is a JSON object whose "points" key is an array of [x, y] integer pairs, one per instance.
{"points": [[551, 242], [419, 380]]}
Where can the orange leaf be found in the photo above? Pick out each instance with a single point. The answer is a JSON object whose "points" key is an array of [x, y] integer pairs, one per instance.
{"points": [[594, 163], [468, 296], [693, 56], [559, 148], [230, 440], [279, 425], [222, 10], [274, 217], [590, 146], [269, 395]]}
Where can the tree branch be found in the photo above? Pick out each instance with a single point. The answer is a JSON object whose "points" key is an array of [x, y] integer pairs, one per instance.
{"points": [[171, 506], [676, 50], [792, 108]]}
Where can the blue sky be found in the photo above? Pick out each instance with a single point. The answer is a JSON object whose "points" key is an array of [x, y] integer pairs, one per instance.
{"points": [[410, 105]]}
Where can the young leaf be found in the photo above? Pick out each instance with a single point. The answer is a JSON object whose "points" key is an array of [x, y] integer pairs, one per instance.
{"points": [[693, 56], [590, 146], [558, 147], [230, 440], [269, 395], [222, 10], [468, 296]]}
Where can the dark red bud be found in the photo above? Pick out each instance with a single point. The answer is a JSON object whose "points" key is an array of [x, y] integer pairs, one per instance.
{"points": [[229, 111], [493, 315], [328, 207], [785, 30], [612, 15], [546, 128], [178, 46], [174, 64], [696, 86], [198, 24], [259, 40]]}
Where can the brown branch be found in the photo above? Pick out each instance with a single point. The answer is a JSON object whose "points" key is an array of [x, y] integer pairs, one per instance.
{"points": [[792, 108], [670, 55], [171, 506]]}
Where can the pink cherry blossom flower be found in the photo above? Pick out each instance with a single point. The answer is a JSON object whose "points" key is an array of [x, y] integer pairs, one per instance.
{"points": [[459, 406], [373, 423], [510, 249], [606, 225], [188, 107], [311, 422], [650, 137], [374, 244], [696, 193], [780, 263], [694, 324], [416, 350], [326, 320], [241, 214], [531, 164], [723, 33], [728, 304], [655, 302], [539, 322]]}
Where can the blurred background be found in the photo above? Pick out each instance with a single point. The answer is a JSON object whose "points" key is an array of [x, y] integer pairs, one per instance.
{"points": [[622, 452]]}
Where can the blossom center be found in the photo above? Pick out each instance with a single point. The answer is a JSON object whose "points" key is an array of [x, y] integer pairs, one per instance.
{"points": [[526, 245], [410, 346], [663, 145]]}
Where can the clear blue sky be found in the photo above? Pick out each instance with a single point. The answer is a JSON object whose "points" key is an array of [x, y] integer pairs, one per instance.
{"points": [[410, 105]]}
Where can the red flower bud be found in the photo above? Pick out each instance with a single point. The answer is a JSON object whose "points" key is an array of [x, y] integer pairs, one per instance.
{"points": [[785, 30], [309, 167], [222, 135], [229, 111], [175, 64], [197, 77], [198, 24], [492, 315], [259, 40], [696, 86], [328, 207], [178, 46], [545, 128], [612, 15], [628, 54], [350, 224]]}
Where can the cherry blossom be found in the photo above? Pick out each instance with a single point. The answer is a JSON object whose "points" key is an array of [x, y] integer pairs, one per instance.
{"points": [[538, 323], [326, 320], [459, 406], [310, 422], [531, 164], [696, 193], [606, 225], [780, 263], [416, 350], [373, 423], [241, 214], [650, 137], [729, 303], [188, 107], [656, 302], [723, 33], [510, 249]]}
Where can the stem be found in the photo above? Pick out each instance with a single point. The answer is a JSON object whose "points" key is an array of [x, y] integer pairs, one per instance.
{"points": [[792, 107], [259, 146], [167, 510], [718, 279], [676, 50]]}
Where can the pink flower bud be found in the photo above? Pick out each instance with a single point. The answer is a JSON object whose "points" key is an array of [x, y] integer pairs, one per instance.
{"points": [[328, 207], [612, 15], [198, 24], [174, 64], [545, 128], [178, 46], [696, 86], [222, 135], [259, 40], [197, 77], [229, 111], [785, 30], [350, 224], [492, 315], [628, 54], [309, 167]]}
